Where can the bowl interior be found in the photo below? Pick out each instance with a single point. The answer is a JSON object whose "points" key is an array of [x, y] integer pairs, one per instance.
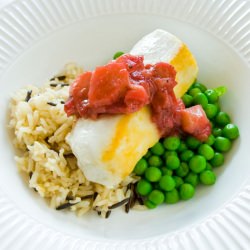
{"points": [[93, 42]]}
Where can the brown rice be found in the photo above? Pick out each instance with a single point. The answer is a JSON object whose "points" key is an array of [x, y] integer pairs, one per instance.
{"points": [[40, 126]]}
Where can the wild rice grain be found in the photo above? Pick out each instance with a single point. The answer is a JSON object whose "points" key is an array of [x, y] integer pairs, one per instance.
{"points": [[28, 96], [132, 199], [118, 204], [70, 197], [107, 214], [87, 197], [70, 155], [64, 84], [58, 84], [65, 205], [129, 187], [53, 84], [95, 195], [139, 198], [51, 104], [60, 78]]}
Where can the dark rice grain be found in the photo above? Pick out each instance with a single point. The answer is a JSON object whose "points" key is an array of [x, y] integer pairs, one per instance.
{"points": [[28, 96], [70, 197], [132, 198], [60, 78], [107, 214], [139, 198], [53, 84], [118, 204], [65, 205], [64, 84], [51, 103], [95, 195], [58, 84], [87, 197], [30, 174], [70, 155]]}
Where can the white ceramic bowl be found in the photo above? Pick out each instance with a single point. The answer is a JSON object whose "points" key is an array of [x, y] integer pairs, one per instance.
{"points": [[38, 37]]}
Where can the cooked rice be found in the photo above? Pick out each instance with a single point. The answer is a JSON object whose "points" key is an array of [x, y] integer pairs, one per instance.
{"points": [[40, 126]]}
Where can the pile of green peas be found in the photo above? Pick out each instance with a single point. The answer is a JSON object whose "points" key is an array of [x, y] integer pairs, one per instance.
{"points": [[171, 170]]}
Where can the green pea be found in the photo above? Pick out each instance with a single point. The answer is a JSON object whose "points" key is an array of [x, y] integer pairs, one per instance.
{"points": [[217, 104], [212, 95], [153, 174], [168, 153], [155, 161], [118, 54], [182, 147], [147, 155], [178, 181], [187, 99], [140, 167], [166, 171], [172, 162], [186, 155], [194, 91], [207, 177], [143, 187], [172, 197], [217, 160], [222, 144], [171, 142], [200, 86], [211, 111], [230, 131], [217, 132], [186, 191], [192, 142], [192, 179], [156, 197], [197, 163], [222, 119], [182, 170], [167, 183], [206, 151], [210, 140], [150, 204], [158, 149], [208, 166], [201, 99]]}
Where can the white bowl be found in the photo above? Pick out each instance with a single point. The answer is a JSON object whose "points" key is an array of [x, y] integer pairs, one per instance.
{"points": [[39, 37]]}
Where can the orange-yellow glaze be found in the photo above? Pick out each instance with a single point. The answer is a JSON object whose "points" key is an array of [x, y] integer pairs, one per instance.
{"points": [[121, 130], [186, 68], [135, 134]]}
